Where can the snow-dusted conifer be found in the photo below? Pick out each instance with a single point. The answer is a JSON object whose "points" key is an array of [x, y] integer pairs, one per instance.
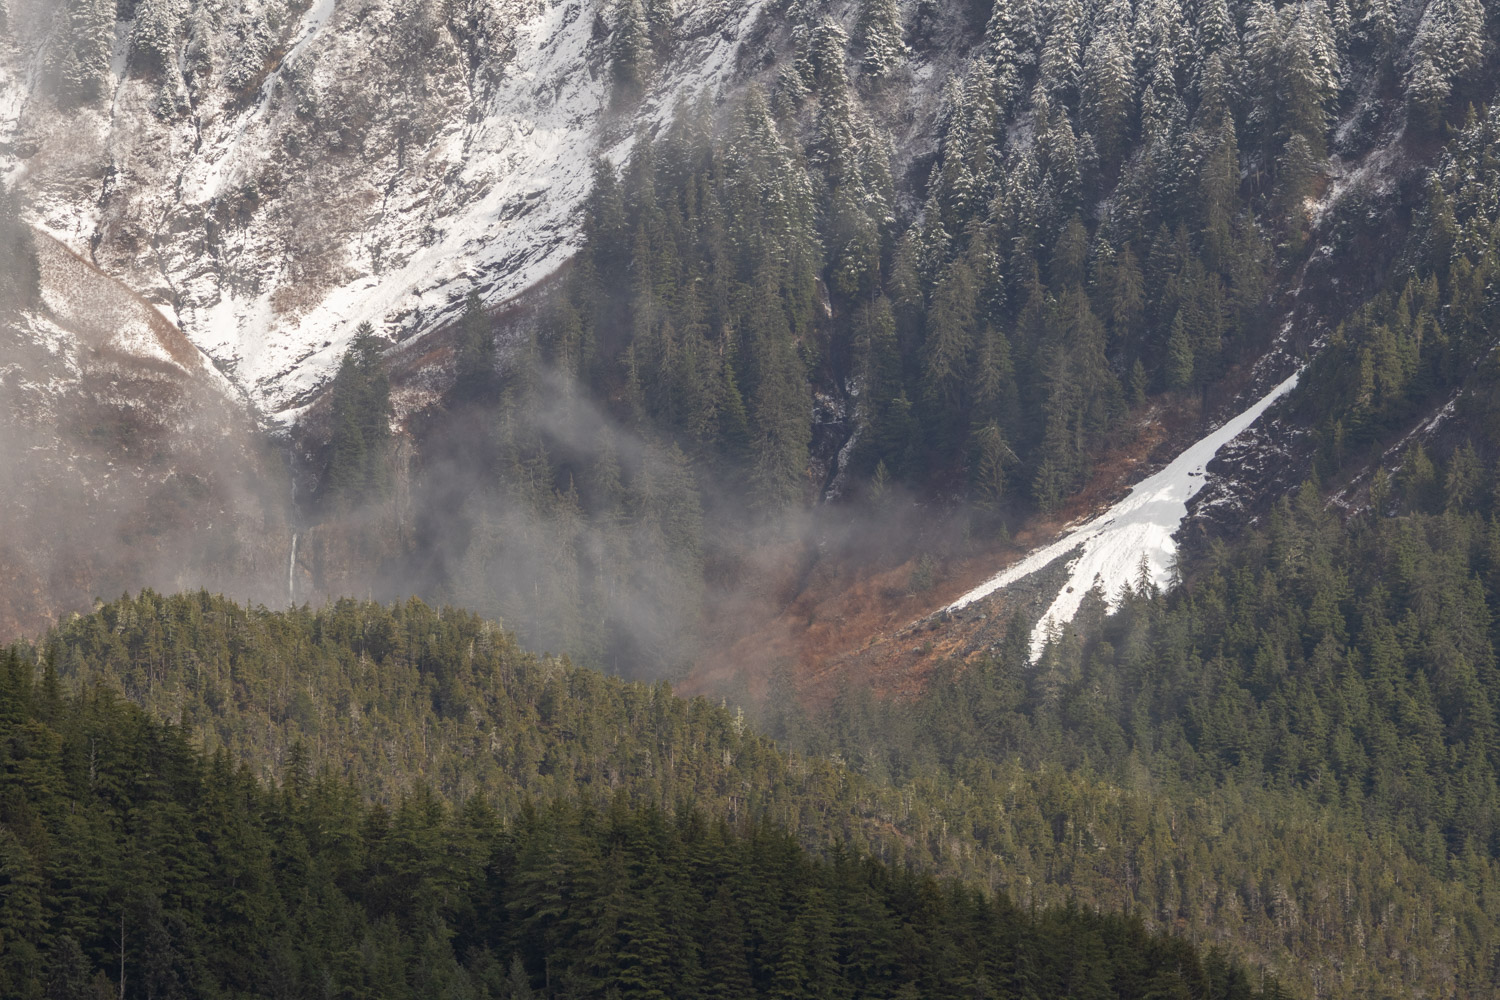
{"points": [[931, 243], [661, 17], [1427, 88], [1295, 65], [1447, 48], [825, 56], [1296, 169], [1341, 20], [1061, 62], [1309, 72], [1061, 144], [1214, 30], [630, 52], [1108, 88], [1376, 27], [1011, 41], [854, 245], [1017, 22], [82, 67], [835, 146], [770, 203], [1160, 39], [1160, 105], [154, 38], [878, 36]]}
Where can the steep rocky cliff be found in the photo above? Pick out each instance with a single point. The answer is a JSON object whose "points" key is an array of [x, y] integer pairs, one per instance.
{"points": [[273, 172], [129, 460]]}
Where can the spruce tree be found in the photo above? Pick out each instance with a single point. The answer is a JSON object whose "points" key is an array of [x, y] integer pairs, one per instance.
{"points": [[1108, 92], [878, 39], [631, 58], [1446, 50], [783, 404], [358, 466], [154, 38], [1179, 364], [80, 59], [474, 354]]}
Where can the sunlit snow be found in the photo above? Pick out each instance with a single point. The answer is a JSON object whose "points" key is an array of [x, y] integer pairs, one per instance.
{"points": [[1139, 527], [359, 225]]}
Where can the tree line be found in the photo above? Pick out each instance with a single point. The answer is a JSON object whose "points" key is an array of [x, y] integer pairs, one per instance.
{"points": [[133, 864]]}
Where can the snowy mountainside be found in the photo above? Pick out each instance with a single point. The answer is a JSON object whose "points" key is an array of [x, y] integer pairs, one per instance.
{"points": [[381, 160], [107, 317], [130, 460]]}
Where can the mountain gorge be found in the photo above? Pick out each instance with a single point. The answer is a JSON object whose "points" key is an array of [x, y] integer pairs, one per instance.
{"points": [[1066, 432]]}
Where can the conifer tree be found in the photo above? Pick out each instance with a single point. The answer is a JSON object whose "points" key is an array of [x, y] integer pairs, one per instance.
{"points": [[783, 405], [1060, 64], [1108, 91], [950, 343], [826, 46], [358, 466], [631, 58], [1446, 50], [80, 58], [474, 356], [991, 460], [1179, 372], [878, 39], [154, 38], [1012, 38]]}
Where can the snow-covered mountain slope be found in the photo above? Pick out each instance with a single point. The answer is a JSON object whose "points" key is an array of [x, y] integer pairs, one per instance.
{"points": [[1132, 539], [105, 317], [129, 460], [274, 172]]}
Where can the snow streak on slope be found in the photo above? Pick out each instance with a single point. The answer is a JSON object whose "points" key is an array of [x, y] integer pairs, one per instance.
{"points": [[1111, 547], [108, 317], [385, 158]]}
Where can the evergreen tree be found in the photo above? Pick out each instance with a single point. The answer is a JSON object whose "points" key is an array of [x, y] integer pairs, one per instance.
{"points": [[1060, 64], [155, 37], [80, 57], [878, 39], [1179, 372], [1446, 50], [474, 355], [1108, 91], [631, 53], [359, 463]]}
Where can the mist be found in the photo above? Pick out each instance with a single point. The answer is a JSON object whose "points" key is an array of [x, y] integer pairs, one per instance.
{"points": [[129, 462]]}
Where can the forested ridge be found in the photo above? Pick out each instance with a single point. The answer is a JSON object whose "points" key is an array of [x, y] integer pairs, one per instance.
{"points": [[1108, 217], [1048, 785], [1291, 762], [133, 864]]}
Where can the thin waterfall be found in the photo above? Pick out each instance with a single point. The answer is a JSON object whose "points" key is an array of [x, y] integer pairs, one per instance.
{"points": [[291, 573]]}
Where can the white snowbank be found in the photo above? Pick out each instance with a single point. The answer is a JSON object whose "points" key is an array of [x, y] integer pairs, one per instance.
{"points": [[1139, 526]]}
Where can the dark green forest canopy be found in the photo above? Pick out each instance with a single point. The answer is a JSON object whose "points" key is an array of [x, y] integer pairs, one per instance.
{"points": [[1295, 757], [1109, 774], [126, 853]]}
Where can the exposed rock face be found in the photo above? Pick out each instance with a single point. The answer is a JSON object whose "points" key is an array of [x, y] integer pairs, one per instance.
{"points": [[129, 461], [274, 172], [226, 189]]}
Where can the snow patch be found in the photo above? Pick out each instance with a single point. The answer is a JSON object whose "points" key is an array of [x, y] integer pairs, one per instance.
{"points": [[1140, 527]]}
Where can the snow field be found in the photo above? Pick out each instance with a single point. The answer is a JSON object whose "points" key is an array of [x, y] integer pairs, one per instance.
{"points": [[1138, 528]]}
